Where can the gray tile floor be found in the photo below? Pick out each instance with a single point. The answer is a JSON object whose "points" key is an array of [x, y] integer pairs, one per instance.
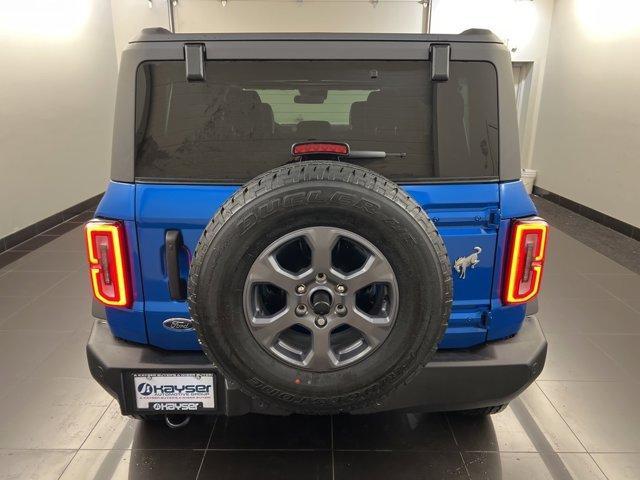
{"points": [[580, 420]]}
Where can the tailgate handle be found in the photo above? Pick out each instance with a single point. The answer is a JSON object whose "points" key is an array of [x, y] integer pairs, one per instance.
{"points": [[173, 244]]}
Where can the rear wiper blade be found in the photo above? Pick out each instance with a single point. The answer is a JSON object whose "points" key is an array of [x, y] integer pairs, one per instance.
{"points": [[372, 155]]}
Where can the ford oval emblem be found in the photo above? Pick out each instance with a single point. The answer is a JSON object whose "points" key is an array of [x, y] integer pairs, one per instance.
{"points": [[178, 324]]}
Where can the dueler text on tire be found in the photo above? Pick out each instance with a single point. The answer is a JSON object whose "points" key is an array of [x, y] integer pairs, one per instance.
{"points": [[320, 287]]}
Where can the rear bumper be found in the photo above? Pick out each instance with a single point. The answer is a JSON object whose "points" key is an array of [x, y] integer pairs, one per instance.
{"points": [[488, 375]]}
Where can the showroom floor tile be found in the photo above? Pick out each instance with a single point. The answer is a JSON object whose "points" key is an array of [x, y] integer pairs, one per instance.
{"points": [[532, 466], [40, 464], [580, 420]]}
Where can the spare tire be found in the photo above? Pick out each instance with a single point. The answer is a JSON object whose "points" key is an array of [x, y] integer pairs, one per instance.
{"points": [[320, 287]]}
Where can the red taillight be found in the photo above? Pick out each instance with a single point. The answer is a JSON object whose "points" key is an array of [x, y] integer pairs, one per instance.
{"points": [[309, 148], [526, 260], [106, 251]]}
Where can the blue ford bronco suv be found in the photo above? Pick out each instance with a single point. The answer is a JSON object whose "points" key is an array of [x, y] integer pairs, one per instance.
{"points": [[315, 224]]}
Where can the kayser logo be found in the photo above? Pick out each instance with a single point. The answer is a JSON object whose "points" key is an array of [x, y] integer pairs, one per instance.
{"points": [[147, 389]]}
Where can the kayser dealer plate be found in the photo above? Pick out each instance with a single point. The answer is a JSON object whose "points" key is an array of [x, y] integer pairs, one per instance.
{"points": [[174, 392]]}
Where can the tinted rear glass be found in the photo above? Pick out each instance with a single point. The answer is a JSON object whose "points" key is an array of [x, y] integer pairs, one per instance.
{"points": [[243, 119]]}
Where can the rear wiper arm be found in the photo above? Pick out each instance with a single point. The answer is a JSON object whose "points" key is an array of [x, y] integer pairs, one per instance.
{"points": [[372, 155]]}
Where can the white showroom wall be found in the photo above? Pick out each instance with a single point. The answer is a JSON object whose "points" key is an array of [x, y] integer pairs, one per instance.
{"points": [[130, 16], [300, 16], [587, 142], [58, 87]]}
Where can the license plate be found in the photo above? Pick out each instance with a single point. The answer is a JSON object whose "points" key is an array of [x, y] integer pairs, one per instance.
{"points": [[174, 392]]}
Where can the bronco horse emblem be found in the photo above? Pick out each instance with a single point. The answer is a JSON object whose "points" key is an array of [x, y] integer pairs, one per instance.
{"points": [[462, 263]]}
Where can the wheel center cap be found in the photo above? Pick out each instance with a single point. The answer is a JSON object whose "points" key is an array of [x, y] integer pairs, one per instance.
{"points": [[321, 302]]}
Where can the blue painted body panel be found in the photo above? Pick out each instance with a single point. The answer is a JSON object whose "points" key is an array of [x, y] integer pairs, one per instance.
{"points": [[515, 201], [505, 321], [118, 203], [467, 216], [159, 208], [462, 214]]}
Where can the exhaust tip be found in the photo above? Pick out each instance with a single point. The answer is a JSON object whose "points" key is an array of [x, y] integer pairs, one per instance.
{"points": [[176, 421]]}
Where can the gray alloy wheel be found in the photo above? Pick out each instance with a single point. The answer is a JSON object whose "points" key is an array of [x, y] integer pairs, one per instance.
{"points": [[321, 298]]}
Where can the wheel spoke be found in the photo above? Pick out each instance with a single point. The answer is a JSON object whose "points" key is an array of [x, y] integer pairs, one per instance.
{"points": [[321, 357], [374, 329], [321, 241], [266, 270], [265, 329], [375, 270]]}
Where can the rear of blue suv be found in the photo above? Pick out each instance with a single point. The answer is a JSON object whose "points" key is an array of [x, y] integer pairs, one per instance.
{"points": [[315, 224]]}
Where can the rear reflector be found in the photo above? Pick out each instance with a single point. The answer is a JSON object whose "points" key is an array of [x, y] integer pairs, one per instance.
{"points": [[106, 252], [526, 260], [309, 148]]}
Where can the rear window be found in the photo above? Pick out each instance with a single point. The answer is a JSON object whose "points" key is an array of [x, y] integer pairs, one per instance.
{"points": [[243, 119]]}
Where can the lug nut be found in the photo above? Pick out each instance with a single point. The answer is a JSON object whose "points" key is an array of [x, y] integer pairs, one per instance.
{"points": [[321, 322], [301, 310], [341, 310], [341, 288], [301, 289], [321, 277]]}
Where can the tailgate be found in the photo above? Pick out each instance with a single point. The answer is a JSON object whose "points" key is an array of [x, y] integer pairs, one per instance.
{"points": [[466, 216]]}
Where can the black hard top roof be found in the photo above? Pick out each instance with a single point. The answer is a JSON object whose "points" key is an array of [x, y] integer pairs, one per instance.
{"points": [[474, 35]]}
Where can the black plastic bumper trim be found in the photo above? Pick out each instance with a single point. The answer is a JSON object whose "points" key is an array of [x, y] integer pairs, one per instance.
{"points": [[491, 374]]}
